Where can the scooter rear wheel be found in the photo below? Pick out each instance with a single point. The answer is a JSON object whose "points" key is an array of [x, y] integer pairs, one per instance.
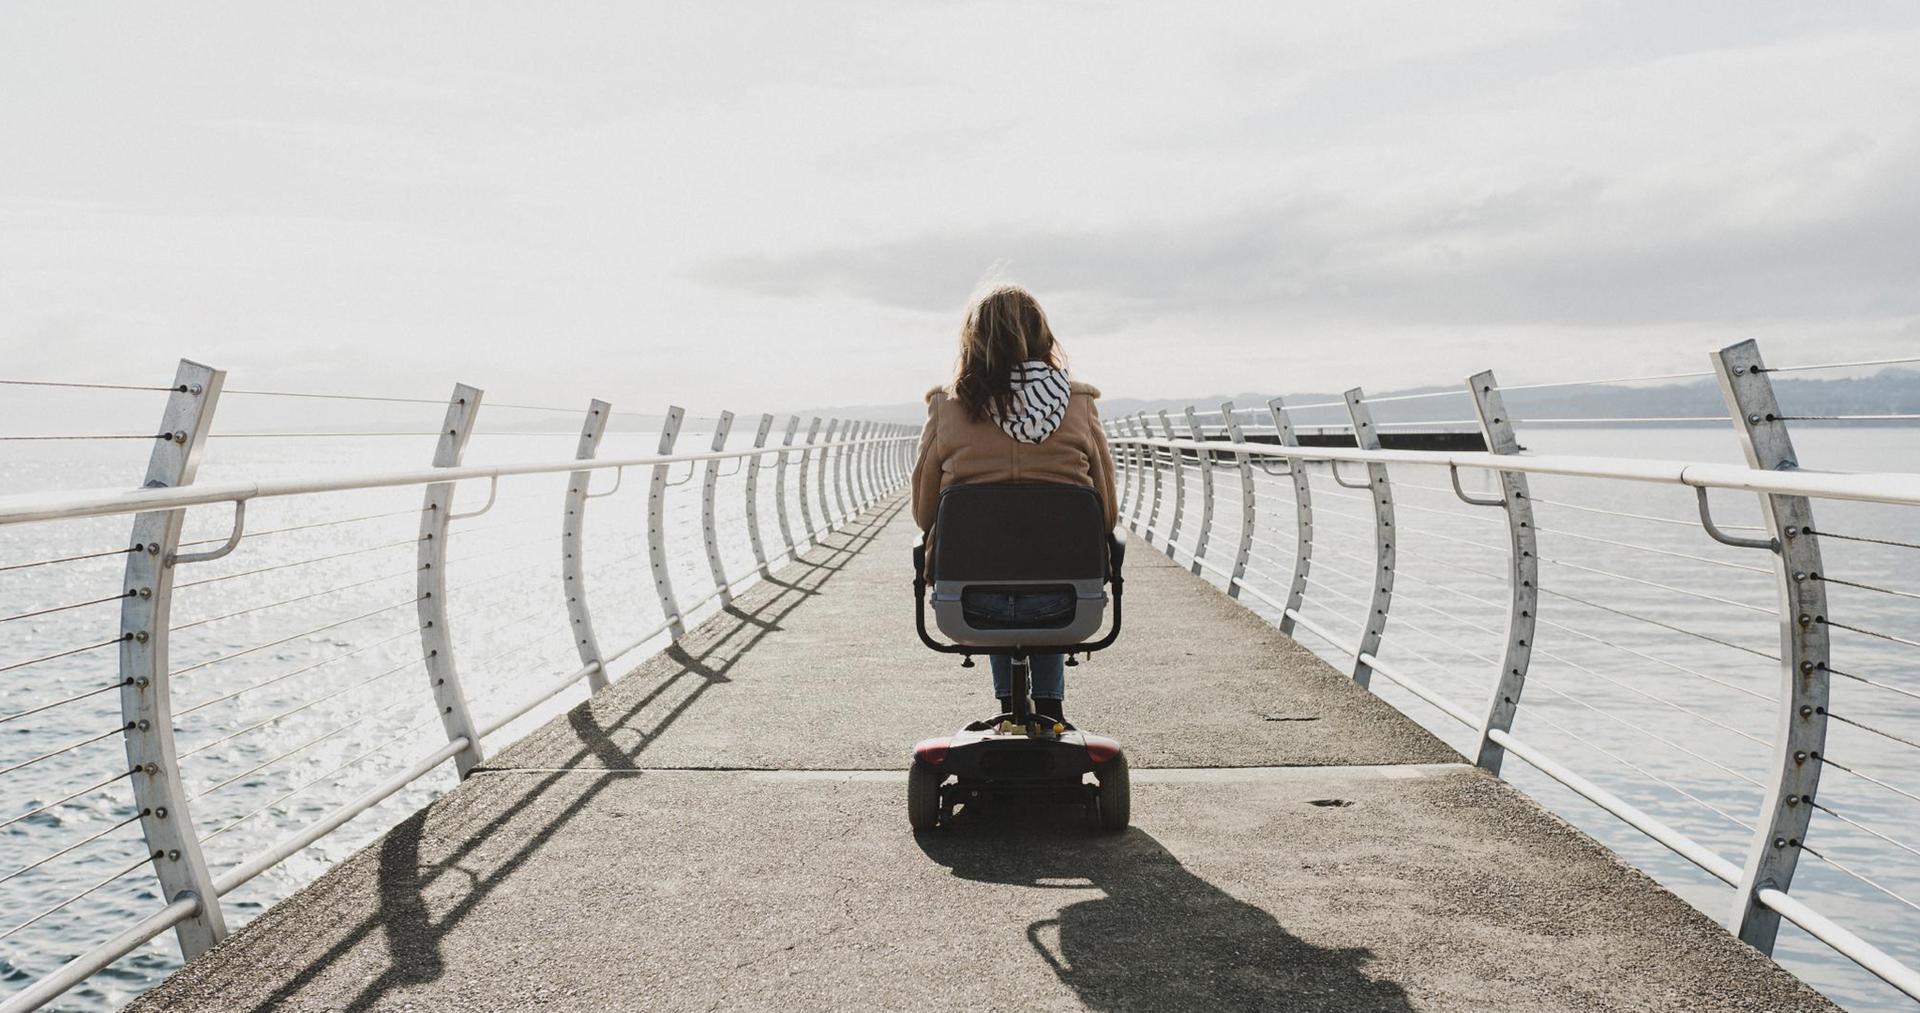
{"points": [[1115, 802], [923, 796]]}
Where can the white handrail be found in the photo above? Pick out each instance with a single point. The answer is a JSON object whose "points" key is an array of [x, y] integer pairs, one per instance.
{"points": [[1894, 487], [28, 508]]}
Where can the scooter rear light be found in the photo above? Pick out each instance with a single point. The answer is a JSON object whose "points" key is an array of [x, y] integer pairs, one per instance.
{"points": [[932, 752], [1100, 749]]}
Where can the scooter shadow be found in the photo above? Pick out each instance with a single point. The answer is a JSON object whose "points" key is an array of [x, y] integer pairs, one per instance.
{"points": [[1159, 937]]}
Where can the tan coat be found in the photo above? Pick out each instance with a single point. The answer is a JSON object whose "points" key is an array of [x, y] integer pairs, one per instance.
{"points": [[956, 450]]}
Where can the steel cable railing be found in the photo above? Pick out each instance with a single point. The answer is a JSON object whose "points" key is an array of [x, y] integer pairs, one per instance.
{"points": [[273, 700], [1653, 604]]}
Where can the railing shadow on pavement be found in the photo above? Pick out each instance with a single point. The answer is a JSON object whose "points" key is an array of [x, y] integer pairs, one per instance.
{"points": [[413, 930]]}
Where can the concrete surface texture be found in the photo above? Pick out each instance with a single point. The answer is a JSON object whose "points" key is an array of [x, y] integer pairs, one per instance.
{"points": [[724, 828]]}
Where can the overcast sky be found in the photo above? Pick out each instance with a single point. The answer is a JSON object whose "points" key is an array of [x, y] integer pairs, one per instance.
{"points": [[786, 205]]}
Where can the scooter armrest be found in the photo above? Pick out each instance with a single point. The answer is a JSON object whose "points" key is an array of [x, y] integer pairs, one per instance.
{"points": [[1116, 553]]}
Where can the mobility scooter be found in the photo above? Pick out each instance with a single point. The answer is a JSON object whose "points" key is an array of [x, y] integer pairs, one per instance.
{"points": [[1018, 568]]}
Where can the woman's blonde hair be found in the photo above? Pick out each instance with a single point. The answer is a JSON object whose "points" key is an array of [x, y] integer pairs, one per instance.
{"points": [[1004, 328]]}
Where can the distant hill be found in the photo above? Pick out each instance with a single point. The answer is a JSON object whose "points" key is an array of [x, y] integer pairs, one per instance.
{"points": [[1887, 392]]}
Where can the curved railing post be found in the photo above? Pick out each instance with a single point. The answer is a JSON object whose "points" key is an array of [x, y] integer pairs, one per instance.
{"points": [[1132, 428], [856, 497], [868, 485], [1177, 462], [1368, 438], [1523, 571], [1244, 549], [1205, 460], [806, 512], [1801, 739], [657, 526], [1153, 458], [780, 484], [1122, 469], [1129, 462], [753, 490], [1302, 517], [827, 522], [146, 688], [709, 521], [436, 635], [573, 545], [838, 455]]}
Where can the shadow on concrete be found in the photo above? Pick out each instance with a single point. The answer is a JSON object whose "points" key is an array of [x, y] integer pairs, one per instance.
{"points": [[413, 929], [1158, 937]]}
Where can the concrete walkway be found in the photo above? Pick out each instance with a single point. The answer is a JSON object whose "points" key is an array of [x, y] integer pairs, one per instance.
{"points": [[725, 828]]}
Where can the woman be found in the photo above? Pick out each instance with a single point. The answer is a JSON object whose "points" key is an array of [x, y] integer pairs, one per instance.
{"points": [[1012, 415]]}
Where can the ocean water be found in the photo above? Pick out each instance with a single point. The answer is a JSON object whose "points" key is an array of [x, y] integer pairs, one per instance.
{"points": [[298, 685]]}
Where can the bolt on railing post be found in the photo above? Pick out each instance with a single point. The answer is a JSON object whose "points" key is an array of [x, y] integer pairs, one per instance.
{"points": [[1523, 571], [1205, 459], [1244, 549], [573, 545], [436, 635], [146, 693], [1801, 741], [1366, 437], [753, 487], [709, 522], [1302, 517], [806, 512], [1178, 464], [780, 484], [657, 526]]}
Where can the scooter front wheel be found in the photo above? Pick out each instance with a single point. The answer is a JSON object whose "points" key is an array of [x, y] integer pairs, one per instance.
{"points": [[923, 796]]}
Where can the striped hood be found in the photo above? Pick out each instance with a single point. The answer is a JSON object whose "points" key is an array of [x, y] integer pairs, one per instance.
{"points": [[1040, 394]]}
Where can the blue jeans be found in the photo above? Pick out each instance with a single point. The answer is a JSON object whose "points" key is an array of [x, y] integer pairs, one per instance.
{"points": [[1049, 676]]}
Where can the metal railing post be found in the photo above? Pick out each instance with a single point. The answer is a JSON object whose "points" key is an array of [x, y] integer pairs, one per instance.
{"points": [[838, 455], [573, 545], [869, 479], [1801, 741], [780, 484], [1178, 464], [856, 497], [146, 686], [1205, 459], [709, 522], [1129, 425], [657, 526], [753, 488], [1523, 571], [436, 635], [1368, 438], [830, 471], [806, 512], [1302, 518], [1244, 549], [1130, 491], [1159, 481]]}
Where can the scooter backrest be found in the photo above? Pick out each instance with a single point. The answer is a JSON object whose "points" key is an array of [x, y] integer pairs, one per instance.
{"points": [[1043, 543], [1018, 532]]}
